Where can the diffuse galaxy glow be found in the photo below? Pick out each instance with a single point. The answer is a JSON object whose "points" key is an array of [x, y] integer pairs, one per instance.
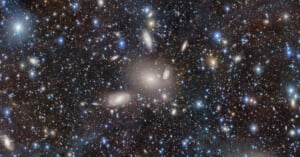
{"points": [[149, 78]]}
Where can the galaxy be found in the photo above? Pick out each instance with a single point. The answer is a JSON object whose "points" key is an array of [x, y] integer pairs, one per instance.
{"points": [[137, 78]]}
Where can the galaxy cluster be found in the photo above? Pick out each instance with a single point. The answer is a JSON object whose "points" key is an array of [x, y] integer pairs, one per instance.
{"points": [[149, 78]]}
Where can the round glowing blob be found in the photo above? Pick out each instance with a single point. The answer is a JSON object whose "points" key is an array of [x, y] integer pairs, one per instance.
{"points": [[150, 77]]}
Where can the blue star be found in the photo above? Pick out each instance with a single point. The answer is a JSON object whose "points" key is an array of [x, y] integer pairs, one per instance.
{"points": [[74, 6], [199, 104], [288, 51], [258, 69], [253, 128], [35, 145], [121, 43], [7, 112], [298, 56], [47, 146], [96, 22], [244, 41], [298, 131], [32, 74], [18, 28], [60, 40], [184, 143], [227, 8], [104, 140], [3, 3], [146, 9], [217, 36], [291, 90]]}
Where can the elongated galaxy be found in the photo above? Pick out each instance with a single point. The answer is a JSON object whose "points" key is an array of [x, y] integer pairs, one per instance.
{"points": [[149, 78]]}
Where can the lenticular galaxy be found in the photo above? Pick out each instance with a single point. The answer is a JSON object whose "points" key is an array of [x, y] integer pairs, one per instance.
{"points": [[149, 78], [117, 99]]}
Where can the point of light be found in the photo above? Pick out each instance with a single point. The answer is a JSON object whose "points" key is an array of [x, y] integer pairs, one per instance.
{"points": [[258, 69], [184, 143], [212, 62], [227, 8], [199, 104], [7, 112], [253, 128], [292, 133], [146, 9], [151, 23], [42, 88], [47, 146], [249, 100], [35, 145], [286, 16], [18, 28], [244, 41], [60, 40], [217, 36], [298, 56], [22, 65], [121, 43], [75, 6], [96, 22], [100, 3], [3, 3], [266, 21], [104, 140], [288, 50], [164, 96], [298, 131], [291, 90], [32, 74]]}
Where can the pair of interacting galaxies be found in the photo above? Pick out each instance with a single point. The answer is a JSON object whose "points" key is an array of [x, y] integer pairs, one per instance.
{"points": [[150, 78]]}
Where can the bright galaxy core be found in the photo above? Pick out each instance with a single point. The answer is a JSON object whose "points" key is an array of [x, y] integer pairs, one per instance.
{"points": [[150, 78]]}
